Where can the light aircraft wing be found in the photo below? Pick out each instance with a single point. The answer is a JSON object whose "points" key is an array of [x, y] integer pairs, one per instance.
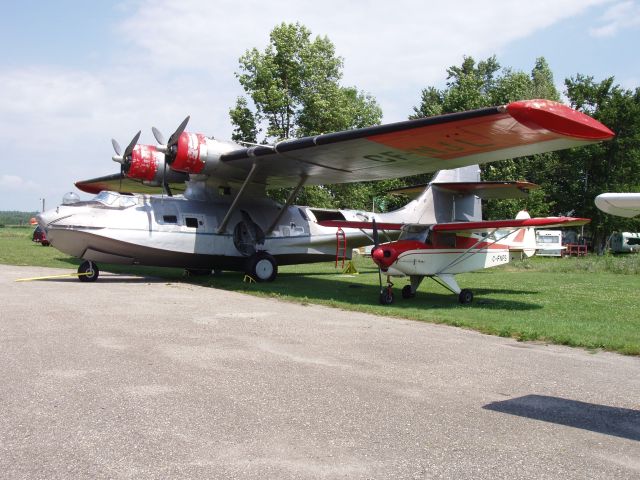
{"points": [[121, 183], [620, 204], [410, 147], [481, 226], [420, 146], [491, 225]]}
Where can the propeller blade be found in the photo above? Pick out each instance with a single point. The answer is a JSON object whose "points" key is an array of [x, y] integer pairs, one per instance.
{"points": [[158, 135], [132, 145], [173, 139], [116, 147], [376, 239]]}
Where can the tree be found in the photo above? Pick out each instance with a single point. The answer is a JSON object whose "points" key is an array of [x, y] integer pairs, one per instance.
{"points": [[471, 86], [612, 166], [294, 85]]}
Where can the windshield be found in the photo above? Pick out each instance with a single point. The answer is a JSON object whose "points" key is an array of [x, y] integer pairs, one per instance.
{"points": [[414, 232], [112, 199]]}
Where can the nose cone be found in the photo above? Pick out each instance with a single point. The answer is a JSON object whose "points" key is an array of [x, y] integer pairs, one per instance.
{"points": [[383, 256], [45, 218]]}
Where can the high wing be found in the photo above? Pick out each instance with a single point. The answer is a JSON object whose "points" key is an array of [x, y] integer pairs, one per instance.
{"points": [[620, 204], [420, 146], [123, 184], [491, 225], [482, 226], [408, 148]]}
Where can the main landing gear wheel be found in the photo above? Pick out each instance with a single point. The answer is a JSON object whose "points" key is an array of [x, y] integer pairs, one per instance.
{"points": [[91, 271], [407, 293], [386, 296], [465, 297], [262, 267]]}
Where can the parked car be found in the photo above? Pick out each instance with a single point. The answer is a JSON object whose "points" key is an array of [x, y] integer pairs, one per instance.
{"points": [[40, 236]]}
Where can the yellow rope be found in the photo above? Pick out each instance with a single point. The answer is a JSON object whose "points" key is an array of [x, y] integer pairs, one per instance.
{"points": [[66, 275]]}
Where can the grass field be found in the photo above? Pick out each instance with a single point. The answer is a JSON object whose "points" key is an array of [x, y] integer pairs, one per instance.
{"points": [[591, 302]]}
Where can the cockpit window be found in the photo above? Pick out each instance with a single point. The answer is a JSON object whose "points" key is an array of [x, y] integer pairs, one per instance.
{"points": [[112, 199], [414, 232]]}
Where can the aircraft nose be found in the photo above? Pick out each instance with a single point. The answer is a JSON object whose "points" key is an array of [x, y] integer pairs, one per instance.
{"points": [[45, 218], [383, 256]]}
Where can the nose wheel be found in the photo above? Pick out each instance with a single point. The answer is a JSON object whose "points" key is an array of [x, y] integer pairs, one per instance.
{"points": [[88, 272], [386, 293]]}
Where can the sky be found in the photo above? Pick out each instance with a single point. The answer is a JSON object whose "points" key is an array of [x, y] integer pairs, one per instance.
{"points": [[76, 74]]}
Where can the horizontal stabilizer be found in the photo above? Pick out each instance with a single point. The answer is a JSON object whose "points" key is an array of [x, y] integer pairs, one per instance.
{"points": [[620, 204], [481, 189]]}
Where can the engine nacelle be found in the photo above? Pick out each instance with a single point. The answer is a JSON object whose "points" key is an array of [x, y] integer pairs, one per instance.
{"points": [[147, 164], [197, 153]]}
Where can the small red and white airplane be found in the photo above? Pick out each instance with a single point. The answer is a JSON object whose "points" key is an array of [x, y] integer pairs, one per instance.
{"points": [[442, 250]]}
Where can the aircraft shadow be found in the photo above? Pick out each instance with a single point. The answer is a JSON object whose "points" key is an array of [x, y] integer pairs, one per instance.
{"points": [[361, 290], [615, 421]]}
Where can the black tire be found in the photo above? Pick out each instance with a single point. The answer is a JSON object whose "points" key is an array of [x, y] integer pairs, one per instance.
{"points": [[262, 267], [386, 296], [45, 243], [407, 293], [465, 297], [90, 268]]}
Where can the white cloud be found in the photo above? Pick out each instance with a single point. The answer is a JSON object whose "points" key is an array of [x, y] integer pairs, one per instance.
{"points": [[179, 57], [16, 183], [620, 16]]}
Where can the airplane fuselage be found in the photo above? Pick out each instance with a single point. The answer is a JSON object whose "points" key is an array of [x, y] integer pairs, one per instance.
{"points": [[180, 232]]}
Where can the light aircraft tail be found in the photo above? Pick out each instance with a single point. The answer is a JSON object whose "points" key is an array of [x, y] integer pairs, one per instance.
{"points": [[522, 242]]}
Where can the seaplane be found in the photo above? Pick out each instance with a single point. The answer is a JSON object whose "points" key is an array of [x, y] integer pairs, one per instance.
{"points": [[201, 204]]}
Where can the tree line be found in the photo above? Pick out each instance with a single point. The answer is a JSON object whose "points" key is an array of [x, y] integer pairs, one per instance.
{"points": [[293, 89]]}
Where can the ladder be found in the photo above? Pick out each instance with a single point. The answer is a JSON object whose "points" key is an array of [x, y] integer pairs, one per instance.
{"points": [[341, 247]]}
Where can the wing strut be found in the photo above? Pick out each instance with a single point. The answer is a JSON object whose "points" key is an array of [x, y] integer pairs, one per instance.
{"points": [[292, 196], [234, 204]]}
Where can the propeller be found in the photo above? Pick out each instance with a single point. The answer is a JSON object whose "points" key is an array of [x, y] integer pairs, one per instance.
{"points": [[170, 149], [376, 245], [124, 159]]}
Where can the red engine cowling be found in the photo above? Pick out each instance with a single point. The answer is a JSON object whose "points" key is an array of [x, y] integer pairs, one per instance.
{"points": [[191, 155], [145, 163]]}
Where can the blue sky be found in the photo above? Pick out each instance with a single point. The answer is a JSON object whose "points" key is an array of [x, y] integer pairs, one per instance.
{"points": [[77, 73]]}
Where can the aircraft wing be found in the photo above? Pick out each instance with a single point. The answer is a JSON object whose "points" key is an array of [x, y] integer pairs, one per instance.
{"points": [[482, 226], [404, 148], [121, 183], [491, 225], [418, 146], [620, 204]]}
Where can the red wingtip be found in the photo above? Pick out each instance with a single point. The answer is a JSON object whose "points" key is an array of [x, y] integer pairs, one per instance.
{"points": [[558, 118]]}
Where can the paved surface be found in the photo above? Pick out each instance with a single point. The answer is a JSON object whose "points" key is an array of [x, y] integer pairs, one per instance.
{"points": [[136, 378]]}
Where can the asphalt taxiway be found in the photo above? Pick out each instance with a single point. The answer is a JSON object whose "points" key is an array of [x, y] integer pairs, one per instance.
{"points": [[134, 377]]}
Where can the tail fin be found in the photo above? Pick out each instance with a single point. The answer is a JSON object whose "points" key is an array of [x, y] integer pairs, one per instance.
{"points": [[523, 240], [434, 205]]}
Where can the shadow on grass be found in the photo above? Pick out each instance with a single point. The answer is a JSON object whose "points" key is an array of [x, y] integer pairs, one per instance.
{"points": [[361, 289], [618, 422]]}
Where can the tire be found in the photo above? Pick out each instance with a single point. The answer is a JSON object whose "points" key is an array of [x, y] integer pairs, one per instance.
{"points": [[386, 296], [262, 267], [45, 243], [87, 267], [407, 293], [465, 297]]}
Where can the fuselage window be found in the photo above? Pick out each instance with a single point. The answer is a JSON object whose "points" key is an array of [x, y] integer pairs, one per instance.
{"points": [[170, 219], [191, 222]]}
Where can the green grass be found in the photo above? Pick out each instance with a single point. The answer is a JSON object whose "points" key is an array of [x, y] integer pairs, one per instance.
{"points": [[590, 302]]}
